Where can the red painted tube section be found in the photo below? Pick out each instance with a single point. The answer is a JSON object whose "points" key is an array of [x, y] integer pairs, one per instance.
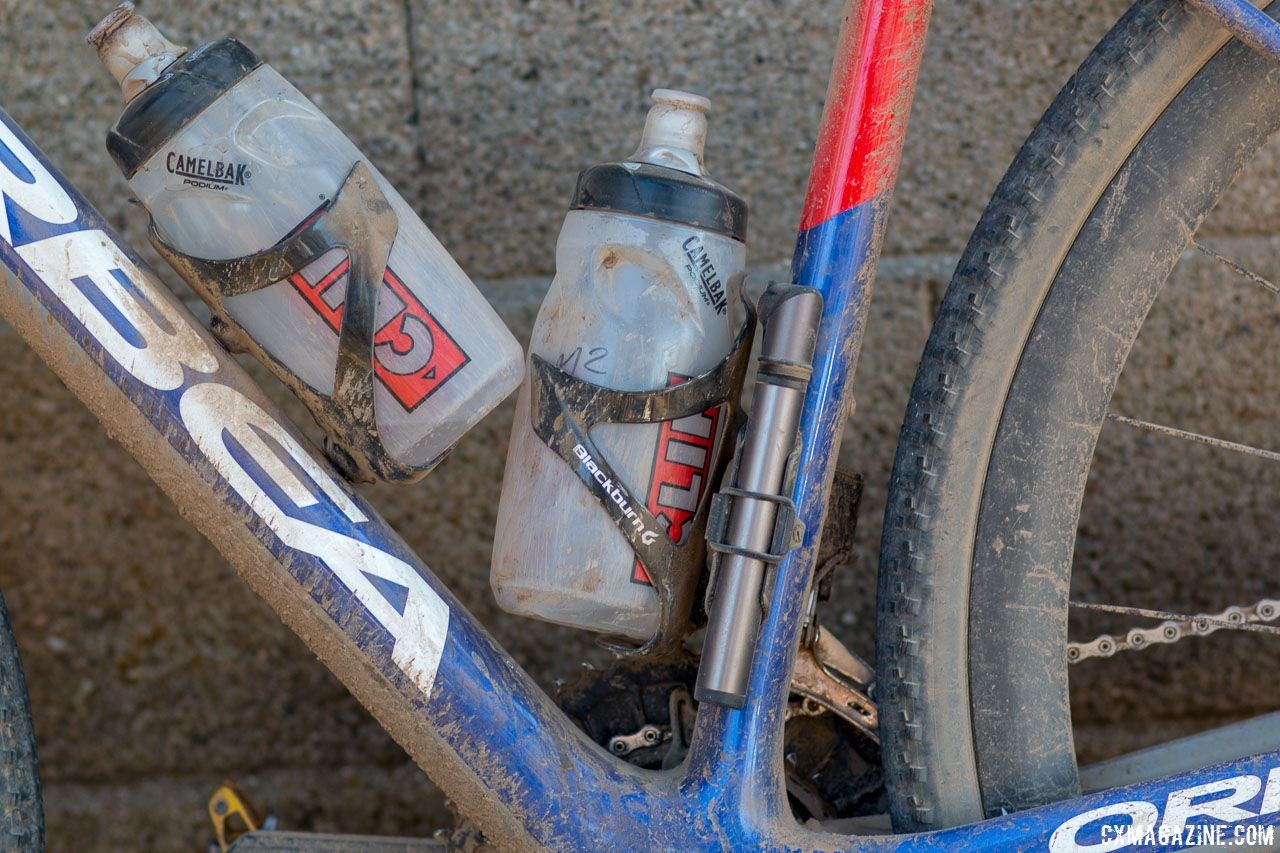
{"points": [[868, 102]]}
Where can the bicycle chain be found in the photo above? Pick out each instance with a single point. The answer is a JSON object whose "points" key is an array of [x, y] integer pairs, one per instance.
{"points": [[1172, 629]]}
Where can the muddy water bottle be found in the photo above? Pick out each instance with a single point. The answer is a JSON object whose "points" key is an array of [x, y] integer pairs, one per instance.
{"points": [[646, 298], [230, 160]]}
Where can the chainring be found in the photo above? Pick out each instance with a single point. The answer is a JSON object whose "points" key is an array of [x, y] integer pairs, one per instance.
{"points": [[832, 768]]}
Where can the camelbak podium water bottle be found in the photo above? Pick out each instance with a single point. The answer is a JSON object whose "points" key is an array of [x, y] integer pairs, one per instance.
{"points": [[230, 159], [645, 297]]}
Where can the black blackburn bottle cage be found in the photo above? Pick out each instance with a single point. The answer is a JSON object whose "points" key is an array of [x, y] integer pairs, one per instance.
{"points": [[564, 409], [361, 222]]}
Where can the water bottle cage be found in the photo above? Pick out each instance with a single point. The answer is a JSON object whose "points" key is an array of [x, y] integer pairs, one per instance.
{"points": [[360, 221], [564, 409], [788, 527]]}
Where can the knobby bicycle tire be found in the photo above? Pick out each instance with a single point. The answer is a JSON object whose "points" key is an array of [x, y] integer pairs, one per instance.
{"points": [[1012, 389], [21, 809]]}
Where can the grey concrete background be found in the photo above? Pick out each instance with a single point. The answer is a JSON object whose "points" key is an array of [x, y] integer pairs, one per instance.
{"points": [[155, 673]]}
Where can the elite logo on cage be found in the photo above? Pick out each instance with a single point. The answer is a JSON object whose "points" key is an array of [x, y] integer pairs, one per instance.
{"points": [[413, 354], [681, 471]]}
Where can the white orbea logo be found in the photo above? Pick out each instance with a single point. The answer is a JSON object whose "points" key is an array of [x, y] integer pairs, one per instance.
{"points": [[1138, 823], [90, 274]]}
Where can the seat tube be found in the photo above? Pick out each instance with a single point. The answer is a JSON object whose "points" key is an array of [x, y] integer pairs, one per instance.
{"points": [[736, 755]]}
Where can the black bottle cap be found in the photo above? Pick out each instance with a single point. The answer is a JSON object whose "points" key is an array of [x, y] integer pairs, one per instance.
{"points": [[182, 91], [662, 193]]}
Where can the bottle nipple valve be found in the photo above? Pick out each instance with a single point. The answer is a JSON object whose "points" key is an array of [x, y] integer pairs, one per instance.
{"points": [[675, 131], [132, 49]]}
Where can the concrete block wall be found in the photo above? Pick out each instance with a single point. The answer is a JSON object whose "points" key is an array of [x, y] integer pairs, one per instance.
{"points": [[155, 673]]}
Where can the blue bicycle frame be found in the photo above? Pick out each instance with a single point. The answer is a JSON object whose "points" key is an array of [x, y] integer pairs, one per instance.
{"points": [[378, 617]]}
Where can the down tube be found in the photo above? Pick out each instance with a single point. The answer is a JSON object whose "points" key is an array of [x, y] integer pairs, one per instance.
{"points": [[318, 553], [855, 162]]}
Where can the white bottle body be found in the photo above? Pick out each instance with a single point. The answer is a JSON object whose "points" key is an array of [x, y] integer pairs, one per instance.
{"points": [[633, 307], [248, 171]]}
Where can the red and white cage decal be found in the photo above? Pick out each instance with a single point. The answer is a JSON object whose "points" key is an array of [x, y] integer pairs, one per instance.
{"points": [[681, 471], [413, 355]]}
